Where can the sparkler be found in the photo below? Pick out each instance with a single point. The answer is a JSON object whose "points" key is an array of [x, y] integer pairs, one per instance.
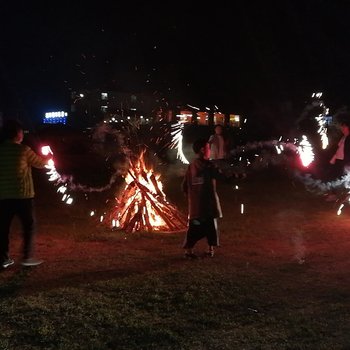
{"points": [[302, 148], [305, 151], [55, 176]]}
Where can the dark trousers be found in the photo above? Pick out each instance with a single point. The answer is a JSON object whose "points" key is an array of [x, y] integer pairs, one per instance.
{"points": [[335, 171], [23, 209], [200, 228]]}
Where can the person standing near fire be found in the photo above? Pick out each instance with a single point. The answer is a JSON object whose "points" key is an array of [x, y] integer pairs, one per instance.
{"points": [[218, 144], [17, 191], [199, 185], [220, 148]]}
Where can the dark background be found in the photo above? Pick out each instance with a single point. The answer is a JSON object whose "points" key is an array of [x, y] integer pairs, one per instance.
{"points": [[262, 59]]}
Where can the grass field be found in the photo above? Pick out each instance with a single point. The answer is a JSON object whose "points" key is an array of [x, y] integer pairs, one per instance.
{"points": [[279, 280]]}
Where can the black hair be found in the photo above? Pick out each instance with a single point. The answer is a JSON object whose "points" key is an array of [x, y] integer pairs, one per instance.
{"points": [[199, 144], [345, 121], [342, 117], [10, 129]]}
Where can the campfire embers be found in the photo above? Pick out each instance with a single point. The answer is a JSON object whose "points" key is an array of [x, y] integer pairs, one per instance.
{"points": [[142, 204]]}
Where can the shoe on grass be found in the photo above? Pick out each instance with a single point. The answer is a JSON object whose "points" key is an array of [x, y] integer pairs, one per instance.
{"points": [[31, 262], [7, 263], [210, 253]]}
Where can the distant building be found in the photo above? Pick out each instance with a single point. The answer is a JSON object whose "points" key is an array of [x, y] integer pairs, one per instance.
{"points": [[91, 107], [58, 117]]}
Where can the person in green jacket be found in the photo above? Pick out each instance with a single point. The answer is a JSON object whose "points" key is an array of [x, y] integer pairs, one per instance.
{"points": [[17, 191]]}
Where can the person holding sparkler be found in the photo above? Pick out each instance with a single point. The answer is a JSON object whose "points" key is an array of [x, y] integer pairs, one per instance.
{"points": [[340, 161], [199, 185], [17, 191]]}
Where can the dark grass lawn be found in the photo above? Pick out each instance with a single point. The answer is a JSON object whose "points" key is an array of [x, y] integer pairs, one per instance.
{"points": [[280, 280]]}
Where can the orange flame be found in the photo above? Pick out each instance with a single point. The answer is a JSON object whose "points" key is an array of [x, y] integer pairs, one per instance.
{"points": [[142, 205]]}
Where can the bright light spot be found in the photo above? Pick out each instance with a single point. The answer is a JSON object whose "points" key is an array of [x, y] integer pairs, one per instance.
{"points": [[45, 150], [340, 208], [306, 153], [62, 189]]}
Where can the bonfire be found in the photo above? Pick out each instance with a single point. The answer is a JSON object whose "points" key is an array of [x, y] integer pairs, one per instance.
{"points": [[142, 205]]}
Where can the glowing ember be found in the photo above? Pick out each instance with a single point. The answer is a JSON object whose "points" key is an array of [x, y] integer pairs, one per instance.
{"points": [[142, 205]]}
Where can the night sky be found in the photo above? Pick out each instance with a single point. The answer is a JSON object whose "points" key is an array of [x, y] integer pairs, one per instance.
{"points": [[243, 56]]}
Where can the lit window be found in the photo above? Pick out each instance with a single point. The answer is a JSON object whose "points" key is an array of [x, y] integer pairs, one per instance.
{"points": [[104, 96]]}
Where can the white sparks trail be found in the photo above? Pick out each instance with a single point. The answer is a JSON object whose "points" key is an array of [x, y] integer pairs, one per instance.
{"points": [[177, 141], [322, 120]]}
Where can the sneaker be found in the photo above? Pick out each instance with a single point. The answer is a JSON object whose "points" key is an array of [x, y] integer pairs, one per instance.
{"points": [[210, 253], [7, 263], [31, 262], [190, 256]]}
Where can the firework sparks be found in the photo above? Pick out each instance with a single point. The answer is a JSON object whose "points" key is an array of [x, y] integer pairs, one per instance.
{"points": [[302, 148], [321, 120], [177, 141], [54, 176], [305, 151]]}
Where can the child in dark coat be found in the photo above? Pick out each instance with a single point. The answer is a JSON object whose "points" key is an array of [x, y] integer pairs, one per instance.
{"points": [[199, 185]]}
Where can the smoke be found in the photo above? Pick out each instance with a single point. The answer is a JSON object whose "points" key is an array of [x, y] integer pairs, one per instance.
{"points": [[68, 181], [317, 186], [292, 234], [299, 246]]}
